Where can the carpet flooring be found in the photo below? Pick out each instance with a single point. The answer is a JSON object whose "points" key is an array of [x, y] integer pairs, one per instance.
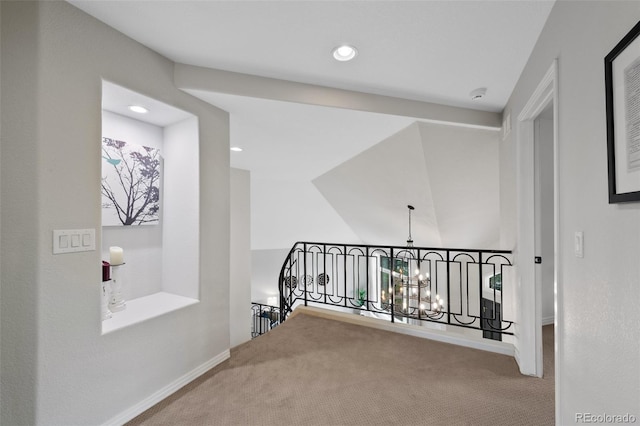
{"points": [[318, 371]]}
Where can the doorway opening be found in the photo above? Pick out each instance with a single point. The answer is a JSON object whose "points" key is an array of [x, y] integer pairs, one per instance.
{"points": [[538, 224], [544, 218]]}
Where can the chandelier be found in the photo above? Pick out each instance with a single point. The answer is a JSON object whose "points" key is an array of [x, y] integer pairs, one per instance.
{"points": [[411, 288]]}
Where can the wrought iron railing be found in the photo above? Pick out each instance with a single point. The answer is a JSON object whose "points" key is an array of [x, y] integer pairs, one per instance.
{"points": [[459, 287], [264, 318]]}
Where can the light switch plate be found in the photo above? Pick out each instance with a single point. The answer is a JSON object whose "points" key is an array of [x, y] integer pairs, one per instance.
{"points": [[73, 240]]}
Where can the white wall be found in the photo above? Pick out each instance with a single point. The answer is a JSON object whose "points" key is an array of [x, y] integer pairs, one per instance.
{"points": [[265, 271], [286, 211], [56, 366], [142, 244], [597, 333], [240, 257], [544, 201], [180, 214], [507, 184]]}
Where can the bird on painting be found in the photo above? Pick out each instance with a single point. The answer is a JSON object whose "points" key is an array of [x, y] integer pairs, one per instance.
{"points": [[113, 161]]}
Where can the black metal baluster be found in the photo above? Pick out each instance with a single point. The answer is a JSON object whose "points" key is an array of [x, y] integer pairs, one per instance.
{"points": [[482, 324], [392, 286], [303, 282], [419, 266], [366, 292], [449, 287], [344, 273], [324, 271]]}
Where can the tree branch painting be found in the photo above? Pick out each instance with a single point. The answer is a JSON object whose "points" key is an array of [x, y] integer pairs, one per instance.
{"points": [[130, 184]]}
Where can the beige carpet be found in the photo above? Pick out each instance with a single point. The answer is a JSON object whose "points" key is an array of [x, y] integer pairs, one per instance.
{"points": [[316, 371]]}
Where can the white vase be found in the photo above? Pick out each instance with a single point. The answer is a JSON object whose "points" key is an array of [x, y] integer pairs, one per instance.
{"points": [[104, 299], [116, 303]]}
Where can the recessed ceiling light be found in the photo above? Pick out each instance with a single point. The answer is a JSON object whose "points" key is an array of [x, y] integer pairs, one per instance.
{"points": [[478, 93], [236, 149], [139, 109], [344, 53]]}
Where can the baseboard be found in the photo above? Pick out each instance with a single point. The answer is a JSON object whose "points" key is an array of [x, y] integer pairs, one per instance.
{"points": [[161, 394], [548, 320], [516, 356]]}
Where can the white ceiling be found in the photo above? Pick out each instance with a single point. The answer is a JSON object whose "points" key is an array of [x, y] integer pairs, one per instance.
{"points": [[118, 99], [287, 141], [435, 51]]}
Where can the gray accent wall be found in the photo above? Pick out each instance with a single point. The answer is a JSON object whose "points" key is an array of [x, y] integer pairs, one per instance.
{"points": [[56, 367]]}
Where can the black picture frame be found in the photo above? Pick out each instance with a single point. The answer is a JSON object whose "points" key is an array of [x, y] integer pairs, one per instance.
{"points": [[620, 67]]}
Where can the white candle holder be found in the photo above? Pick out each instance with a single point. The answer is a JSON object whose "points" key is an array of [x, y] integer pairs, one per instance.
{"points": [[106, 312], [116, 303]]}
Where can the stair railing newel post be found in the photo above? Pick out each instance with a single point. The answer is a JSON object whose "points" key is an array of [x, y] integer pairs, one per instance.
{"points": [[286, 298]]}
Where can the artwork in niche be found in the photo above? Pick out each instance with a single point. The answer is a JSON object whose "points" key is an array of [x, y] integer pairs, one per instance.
{"points": [[130, 184]]}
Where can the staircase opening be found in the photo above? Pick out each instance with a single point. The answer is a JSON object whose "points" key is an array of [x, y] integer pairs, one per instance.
{"points": [[466, 290]]}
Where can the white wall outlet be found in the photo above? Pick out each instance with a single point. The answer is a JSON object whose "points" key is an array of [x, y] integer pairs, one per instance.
{"points": [[578, 243], [73, 240]]}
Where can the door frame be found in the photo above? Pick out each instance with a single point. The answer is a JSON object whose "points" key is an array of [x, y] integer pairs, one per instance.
{"points": [[529, 330]]}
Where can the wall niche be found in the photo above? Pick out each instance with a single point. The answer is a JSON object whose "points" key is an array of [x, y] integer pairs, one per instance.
{"points": [[154, 153]]}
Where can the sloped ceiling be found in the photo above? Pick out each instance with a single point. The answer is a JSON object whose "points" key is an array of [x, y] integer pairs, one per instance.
{"points": [[463, 168], [449, 174], [372, 190]]}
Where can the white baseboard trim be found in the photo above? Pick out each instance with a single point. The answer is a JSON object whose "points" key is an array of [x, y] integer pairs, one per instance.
{"points": [[516, 355], [161, 394], [412, 330], [548, 320], [523, 370]]}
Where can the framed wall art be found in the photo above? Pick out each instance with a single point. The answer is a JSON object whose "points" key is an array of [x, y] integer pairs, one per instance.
{"points": [[130, 184], [622, 84]]}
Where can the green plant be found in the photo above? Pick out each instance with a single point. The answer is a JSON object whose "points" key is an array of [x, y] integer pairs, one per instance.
{"points": [[362, 296]]}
